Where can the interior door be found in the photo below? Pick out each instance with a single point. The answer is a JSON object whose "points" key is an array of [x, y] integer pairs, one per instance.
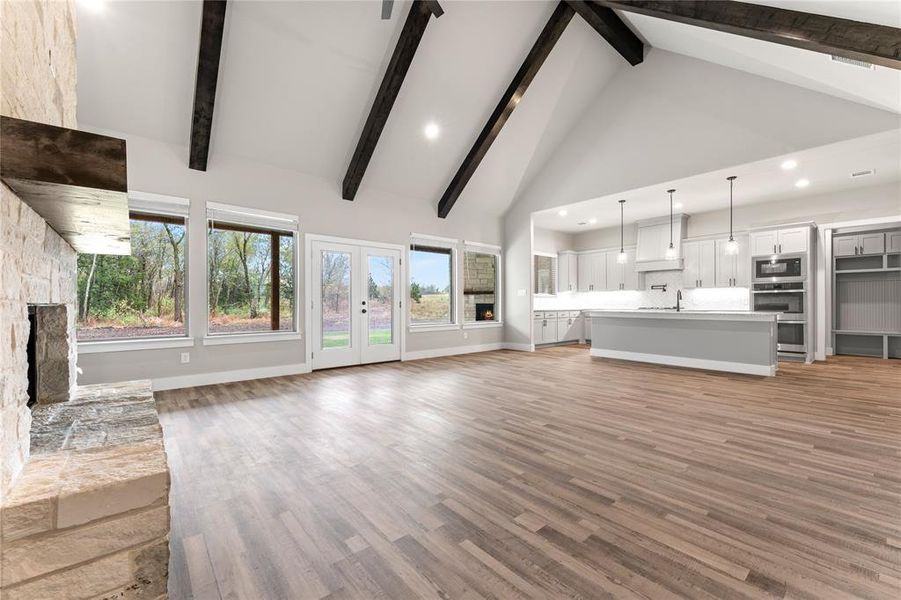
{"points": [[355, 304]]}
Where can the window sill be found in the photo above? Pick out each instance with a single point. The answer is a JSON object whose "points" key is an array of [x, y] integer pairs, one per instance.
{"points": [[250, 338], [133, 344], [483, 325], [436, 327]]}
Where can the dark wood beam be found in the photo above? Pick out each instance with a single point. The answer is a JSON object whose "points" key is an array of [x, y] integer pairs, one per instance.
{"points": [[876, 44], [552, 31], [77, 181], [212, 25], [404, 51], [612, 28], [435, 7]]}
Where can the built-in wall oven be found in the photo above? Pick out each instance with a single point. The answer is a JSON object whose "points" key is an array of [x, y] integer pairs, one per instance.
{"points": [[780, 268], [789, 301]]}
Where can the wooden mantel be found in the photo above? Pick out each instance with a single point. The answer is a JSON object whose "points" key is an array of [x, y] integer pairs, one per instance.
{"points": [[76, 181]]}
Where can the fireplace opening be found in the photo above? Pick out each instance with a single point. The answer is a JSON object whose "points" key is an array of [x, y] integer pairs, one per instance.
{"points": [[31, 351], [485, 311]]}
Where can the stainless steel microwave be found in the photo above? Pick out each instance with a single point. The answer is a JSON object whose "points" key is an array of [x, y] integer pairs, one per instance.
{"points": [[780, 267]]}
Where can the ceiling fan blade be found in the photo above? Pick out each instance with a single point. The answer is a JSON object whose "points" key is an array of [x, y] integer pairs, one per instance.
{"points": [[386, 8]]}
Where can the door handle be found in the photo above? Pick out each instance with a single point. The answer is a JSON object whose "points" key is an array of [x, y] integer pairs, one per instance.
{"points": [[363, 311]]}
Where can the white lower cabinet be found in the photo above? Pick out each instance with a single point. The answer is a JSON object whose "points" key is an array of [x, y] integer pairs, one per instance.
{"points": [[550, 327]]}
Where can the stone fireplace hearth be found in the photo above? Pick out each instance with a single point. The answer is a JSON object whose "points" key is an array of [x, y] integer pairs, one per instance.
{"points": [[84, 481]]}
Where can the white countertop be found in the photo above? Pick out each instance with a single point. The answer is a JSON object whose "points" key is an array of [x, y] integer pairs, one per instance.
{"points": [[663, 313]]}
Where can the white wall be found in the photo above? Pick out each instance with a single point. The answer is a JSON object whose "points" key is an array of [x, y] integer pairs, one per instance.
{"points": [[161, 168], [668, 118], [552, 242], [844, 205]]}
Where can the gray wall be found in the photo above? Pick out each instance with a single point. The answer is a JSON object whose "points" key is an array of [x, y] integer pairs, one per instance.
{"points": [[161, 168], [668, 118]]}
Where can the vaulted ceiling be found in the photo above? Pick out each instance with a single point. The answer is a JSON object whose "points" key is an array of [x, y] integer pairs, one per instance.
{"points": [[297, 80]]}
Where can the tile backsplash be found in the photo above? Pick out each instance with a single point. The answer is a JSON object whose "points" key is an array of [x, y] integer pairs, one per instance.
{"points": [[698, 299]]}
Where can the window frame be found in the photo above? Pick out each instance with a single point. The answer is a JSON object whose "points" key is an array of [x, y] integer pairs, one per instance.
{"points": [[554, 278], [452, 245], [251, 220], [163, 208], [496, 251]]}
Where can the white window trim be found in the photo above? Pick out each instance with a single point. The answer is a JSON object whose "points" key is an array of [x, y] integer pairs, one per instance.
{"points": [[222, 339], [498, 286], [291, 225], [455, 293], [131, 344], [155, 204]]}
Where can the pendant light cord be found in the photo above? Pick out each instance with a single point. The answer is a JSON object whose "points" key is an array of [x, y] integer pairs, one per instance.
{"points": [[731, 179], [670, 217], [622, 203]]}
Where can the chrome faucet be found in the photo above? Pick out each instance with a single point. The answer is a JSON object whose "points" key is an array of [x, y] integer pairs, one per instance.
{"points": [[678, 300]]}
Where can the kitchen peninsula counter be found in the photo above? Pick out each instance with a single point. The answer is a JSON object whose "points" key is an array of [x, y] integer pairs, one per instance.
{"points": [[733, 341]]}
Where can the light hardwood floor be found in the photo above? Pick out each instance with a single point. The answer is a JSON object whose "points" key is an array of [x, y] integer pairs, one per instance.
{"points": [[545, 475]]}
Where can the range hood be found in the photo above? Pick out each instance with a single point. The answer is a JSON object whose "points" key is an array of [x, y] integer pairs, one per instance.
{"points": [[76, 181], [653, 241]]}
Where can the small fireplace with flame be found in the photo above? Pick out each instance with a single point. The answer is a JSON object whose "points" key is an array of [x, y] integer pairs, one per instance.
{"points": [[485, 311]]}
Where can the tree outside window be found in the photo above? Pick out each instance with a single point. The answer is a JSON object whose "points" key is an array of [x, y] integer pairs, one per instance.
{"points": [[136, 296]]}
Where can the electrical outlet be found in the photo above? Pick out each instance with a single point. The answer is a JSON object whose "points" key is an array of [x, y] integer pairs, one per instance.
{"points": [[465, 335], [185, 357], [521, 293]]}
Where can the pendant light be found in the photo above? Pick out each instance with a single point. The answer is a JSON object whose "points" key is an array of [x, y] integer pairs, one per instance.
{"points": [[671, 251], [621, 258], [731, 245]]}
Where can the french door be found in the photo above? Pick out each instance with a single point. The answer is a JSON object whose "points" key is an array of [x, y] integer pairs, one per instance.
{"points": [[356, 304]]}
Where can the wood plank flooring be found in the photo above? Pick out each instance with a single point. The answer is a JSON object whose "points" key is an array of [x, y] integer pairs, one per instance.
{"points": [[545, 475]]}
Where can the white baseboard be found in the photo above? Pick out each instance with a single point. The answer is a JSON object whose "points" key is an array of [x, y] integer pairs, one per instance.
{"points": [[520, 347], [184, 381], [694, 363], [829, 351], [451, 351]]}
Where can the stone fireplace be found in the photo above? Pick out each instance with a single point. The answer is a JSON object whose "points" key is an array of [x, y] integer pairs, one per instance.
{"points": [[480, 279], [84, 481]]}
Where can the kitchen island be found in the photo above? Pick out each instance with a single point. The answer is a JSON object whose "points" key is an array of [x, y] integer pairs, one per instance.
{"points": [[734, 341]]}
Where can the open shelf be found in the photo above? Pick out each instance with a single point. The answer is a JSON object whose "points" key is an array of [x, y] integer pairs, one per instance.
{"points": [[886, 270]]}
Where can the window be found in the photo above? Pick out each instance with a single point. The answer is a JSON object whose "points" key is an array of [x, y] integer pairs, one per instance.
{"points": [[251, 270], [545, 274], [481, 275], [431, 283], [141, 295]]}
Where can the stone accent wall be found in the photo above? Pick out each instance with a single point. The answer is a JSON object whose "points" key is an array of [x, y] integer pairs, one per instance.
{"points": [[479, 275], [37, 45], [37, 76], [36, 267]]}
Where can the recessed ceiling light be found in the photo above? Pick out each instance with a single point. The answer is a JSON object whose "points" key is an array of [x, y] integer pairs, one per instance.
{"points": [[788, 165], [431, 131], [592, 220], [562, 212], [677, 205], [802, 183], [95, 6]]}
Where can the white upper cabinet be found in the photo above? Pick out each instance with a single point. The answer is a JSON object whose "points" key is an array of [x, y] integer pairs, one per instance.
{"points": [[733, 270], [700, 261], [763, 242], [859, 245], [894, 241], [592, 268], [845, 245], [568, 272], [872, 243], [791, 240], [615, 272]]}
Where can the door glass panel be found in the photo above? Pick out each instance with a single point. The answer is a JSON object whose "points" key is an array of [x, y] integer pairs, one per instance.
{"points": [[381, 300], [336, 278]]}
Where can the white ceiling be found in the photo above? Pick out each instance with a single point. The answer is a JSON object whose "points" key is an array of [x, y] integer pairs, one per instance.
{"points": [[827, 168], [297, 81]]}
